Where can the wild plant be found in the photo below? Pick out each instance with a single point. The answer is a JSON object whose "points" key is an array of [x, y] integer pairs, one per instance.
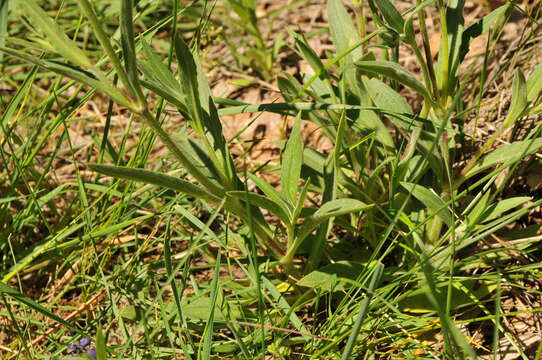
{"points": [[391, 181]]}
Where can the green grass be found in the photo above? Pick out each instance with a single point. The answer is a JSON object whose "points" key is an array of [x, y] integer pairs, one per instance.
{"points": [[126, 218]]}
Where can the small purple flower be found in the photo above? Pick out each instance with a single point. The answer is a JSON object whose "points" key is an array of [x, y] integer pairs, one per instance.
{"points": [[84, 342], [80, 347], [91, 353]]}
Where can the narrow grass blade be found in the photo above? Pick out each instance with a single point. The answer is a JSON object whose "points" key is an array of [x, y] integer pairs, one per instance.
{"points": [[3, 24], [205, 352], [75, 74], [150, 177], [5, 289], [62, 44], [364, 307]]}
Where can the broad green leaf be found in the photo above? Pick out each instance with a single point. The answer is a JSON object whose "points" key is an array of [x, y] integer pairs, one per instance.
{"points": [[519, 99], [390, 14], [417, 301], [292, 158], [368, 119], [197, 310], [330, 209], [309, 55], [267, 189], [393, 71], [277, 209], [62, 44], [534, 83], [454, 21], [150, 177], [431, 200], [495, 210], [189, 83], [386, 98], [513, 152], [333, 276], [343, 31]]}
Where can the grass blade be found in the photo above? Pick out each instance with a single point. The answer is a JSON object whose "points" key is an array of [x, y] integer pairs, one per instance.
{"points": [[150, 177], [364, 307]]}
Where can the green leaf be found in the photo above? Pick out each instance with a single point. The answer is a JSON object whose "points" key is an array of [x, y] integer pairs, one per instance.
{"points": [[189, 83], [343, 31], [431, 200], [277, 209], [495, 210], [330, 209], [481, 27], [390, 14], [292, 158], [519, 99], [75, 74], [267, 189], [386, 98], [62, 44], [150, 177], [128, 47], [534, 83], [393, 71], [6, 290], [101, 348], [417, 302], [333, 276], [309, 55], [161, 80], [506, 154]]}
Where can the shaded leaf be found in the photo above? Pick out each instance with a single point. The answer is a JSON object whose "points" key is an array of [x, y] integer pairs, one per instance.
{"points": [[431, 200]]}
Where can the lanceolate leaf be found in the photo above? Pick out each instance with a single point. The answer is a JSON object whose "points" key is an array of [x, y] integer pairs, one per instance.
{"points": [[330, 209], [343, 31], [292, 159], [431, 200], [505, 154], [519, 99], [534, 83], [390, 14], [150, 177], [263, 202], [393, 71]]}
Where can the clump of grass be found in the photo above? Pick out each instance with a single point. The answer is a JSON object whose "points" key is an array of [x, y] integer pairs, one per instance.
{"points": [[386, 225]]}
